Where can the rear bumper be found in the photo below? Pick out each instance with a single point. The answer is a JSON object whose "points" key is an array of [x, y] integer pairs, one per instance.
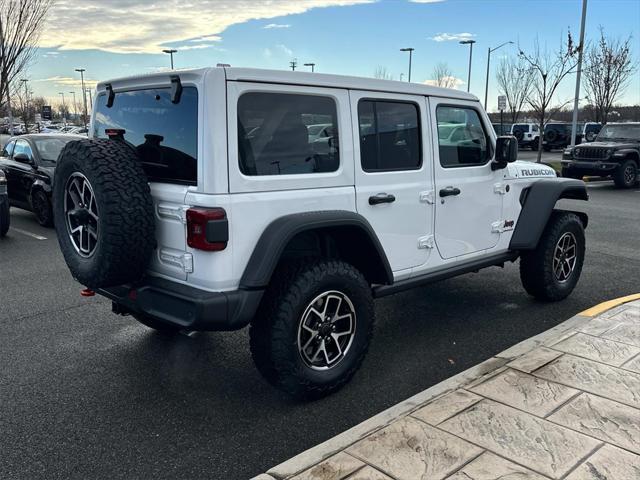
{"points": [[590, 168], [184, 306]]}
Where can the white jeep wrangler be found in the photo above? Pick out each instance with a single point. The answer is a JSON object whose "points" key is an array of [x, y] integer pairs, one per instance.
{"points": [[205, 200], [527, 134]]}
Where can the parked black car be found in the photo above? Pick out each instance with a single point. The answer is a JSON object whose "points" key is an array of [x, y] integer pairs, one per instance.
{"points": [[558, 135], [4, 206], [28, 163], [615, 152]]}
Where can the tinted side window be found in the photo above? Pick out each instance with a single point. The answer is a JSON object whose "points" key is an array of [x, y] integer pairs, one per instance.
{"points": [[8, 149], [465, 143], [285, 134], [164, 134], [389, 135]]}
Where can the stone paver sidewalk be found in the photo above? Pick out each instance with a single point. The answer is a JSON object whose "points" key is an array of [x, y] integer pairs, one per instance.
{"points": [[562, 405]]}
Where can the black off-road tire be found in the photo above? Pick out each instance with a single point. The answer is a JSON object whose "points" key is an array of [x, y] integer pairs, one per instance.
{"points": [[5, 218], [273, 332], [41, 207], [126, 227], [536, 266], [156, 324], [622, 176]]}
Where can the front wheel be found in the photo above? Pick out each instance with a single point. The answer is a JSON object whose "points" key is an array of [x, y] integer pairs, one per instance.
{"points": [[552, 270], [313, 328], [626, 175], [41, 207]]}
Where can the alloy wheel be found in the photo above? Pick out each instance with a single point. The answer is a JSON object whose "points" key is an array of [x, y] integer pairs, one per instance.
{"points": [[326, 330], [564, 257], [81, 214]]}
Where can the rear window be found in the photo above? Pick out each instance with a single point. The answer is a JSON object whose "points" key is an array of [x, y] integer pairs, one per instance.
{"points": [[164, 134]]}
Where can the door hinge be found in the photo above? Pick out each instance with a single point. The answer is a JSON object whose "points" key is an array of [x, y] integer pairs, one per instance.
{"points": [[427, 197], [426, 242], [502, 226], [500, 188]]}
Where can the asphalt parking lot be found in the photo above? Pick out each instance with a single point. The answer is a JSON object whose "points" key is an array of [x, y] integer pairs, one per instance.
{"points": [[86, 394]]}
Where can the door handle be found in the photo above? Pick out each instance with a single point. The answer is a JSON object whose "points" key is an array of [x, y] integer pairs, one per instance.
{"points": [[381, 198], [449, 191]]}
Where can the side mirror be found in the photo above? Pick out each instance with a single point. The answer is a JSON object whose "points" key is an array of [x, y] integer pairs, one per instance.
{"points": [[23, 158], [506, 152]]}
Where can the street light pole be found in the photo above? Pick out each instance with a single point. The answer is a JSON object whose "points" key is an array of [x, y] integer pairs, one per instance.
{"points": [[64, 117], [470, 43], [312, 65], [170, 51], [26, 104], [75, 109], [410, 50], [84, 96], [88, 90], [486, 85], [574, 120]]}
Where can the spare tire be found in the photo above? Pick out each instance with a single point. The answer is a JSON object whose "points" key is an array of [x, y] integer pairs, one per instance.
{"points": [[519, 134], [103, 211], [551, 135]]}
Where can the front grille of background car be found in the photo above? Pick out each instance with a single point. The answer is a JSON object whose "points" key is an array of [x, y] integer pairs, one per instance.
{"points": [[591, 153]]}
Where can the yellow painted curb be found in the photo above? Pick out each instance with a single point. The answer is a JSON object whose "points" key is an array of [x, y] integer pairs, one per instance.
{"points": [[604, 306]]}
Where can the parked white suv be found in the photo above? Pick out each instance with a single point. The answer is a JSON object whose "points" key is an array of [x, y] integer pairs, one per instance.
{"points": [[202, 201], [527, 134]]}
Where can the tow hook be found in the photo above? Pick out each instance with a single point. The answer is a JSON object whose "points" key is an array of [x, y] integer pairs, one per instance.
{"points": [[87, 292]]}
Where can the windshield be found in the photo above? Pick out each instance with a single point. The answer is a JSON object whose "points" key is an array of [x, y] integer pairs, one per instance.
{"points": [[50, 148], [620, 132]]}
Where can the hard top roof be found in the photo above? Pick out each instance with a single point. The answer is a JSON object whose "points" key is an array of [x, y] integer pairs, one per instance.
{"points": [[306, 78]]}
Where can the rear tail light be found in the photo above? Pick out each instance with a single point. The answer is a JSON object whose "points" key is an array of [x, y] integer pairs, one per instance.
{"points": [[207, 229]]}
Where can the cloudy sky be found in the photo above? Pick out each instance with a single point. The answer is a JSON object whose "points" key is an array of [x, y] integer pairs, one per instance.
{"points": [[112, 38]]}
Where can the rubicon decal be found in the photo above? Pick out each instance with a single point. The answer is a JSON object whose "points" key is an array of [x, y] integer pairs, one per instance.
{"points": [[537, 172]]}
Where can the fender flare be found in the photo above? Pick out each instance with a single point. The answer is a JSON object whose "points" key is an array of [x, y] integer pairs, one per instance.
{"points": [[538, 202], [271, 244]]}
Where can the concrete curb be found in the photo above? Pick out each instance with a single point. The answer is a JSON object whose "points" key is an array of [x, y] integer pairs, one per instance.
{"points": [[317, 454], [488, 368]]}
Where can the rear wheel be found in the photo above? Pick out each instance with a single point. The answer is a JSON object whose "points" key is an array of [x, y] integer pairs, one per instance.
{"points": [[552, 270], [534, 144], [41, 207], [626, 174], [313, 328]]}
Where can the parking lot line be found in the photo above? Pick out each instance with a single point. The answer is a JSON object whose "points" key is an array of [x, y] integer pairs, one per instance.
{"points": [[28, 234]]}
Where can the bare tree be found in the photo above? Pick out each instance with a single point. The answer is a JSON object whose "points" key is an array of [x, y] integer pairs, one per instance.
{"points": [[20, 24], [608, 67], [549, 69], [20, 100], [514, 77], [442, 76], [382, 73]]}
